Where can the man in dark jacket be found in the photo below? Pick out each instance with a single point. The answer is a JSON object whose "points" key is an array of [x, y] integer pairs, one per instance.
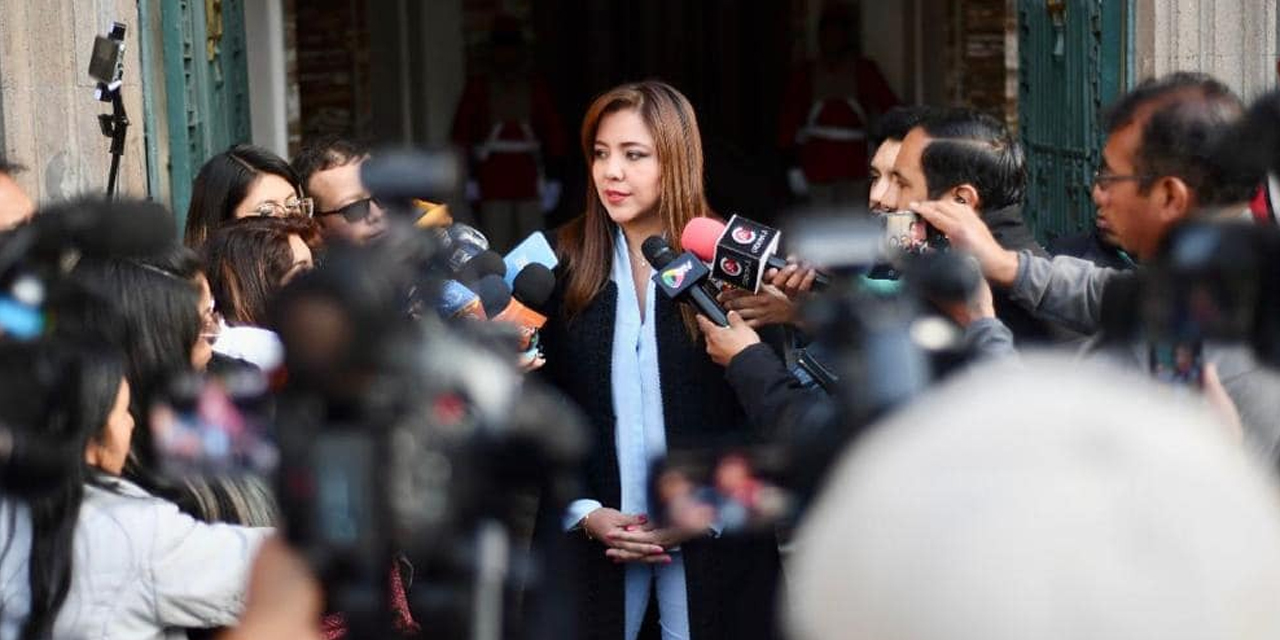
{"points": [[964, 156], [1155, 174]]}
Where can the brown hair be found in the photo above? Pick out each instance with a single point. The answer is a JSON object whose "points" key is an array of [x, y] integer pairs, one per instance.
{"points": [[246, 261], [586, 243]]}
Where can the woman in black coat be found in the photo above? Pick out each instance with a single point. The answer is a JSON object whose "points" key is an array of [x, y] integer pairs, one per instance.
{"points": [[633, 360]]}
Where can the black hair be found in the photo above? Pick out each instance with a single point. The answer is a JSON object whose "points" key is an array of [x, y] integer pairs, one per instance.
{"points": [[896, 122], [326, 153], [970, 147], [59, 392], [223, 183], [160, 325], [177, 260], [1189, 118], [10, 168]]}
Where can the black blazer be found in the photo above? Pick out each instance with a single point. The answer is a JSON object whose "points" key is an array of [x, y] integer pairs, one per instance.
{"points": [[731, 581]]}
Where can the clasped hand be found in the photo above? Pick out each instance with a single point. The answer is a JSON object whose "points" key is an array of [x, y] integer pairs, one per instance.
{"points": [[633, 537]]}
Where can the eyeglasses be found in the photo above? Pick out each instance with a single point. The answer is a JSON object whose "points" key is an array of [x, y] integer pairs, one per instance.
{"points": [[295, 207], [1104, 180], [355, 212], [210, 324]]}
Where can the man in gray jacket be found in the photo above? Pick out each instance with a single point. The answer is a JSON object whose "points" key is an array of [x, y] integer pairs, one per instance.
{"points": [[1156, 172]]}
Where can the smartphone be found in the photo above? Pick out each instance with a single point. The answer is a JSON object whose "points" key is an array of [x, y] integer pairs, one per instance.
{"points": [[905, 232], [1178, 363]]}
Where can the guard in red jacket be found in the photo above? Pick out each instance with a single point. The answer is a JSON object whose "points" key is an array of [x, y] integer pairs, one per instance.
{"points": [[828, 107], [508, 124]]}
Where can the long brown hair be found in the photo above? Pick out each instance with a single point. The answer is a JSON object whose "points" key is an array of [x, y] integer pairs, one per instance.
{"points": [[586, 243], [246, 261]]}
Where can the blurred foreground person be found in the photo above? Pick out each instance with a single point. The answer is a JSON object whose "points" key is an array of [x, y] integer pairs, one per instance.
{"points": [[16, 206], [100, 557], [1094, 505]]}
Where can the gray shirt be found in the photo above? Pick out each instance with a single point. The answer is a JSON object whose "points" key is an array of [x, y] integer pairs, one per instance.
{"points": [[1069, 291]]}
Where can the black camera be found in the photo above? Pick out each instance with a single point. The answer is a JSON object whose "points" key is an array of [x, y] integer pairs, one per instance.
{"points": [[1210, 281], [106, 64]]}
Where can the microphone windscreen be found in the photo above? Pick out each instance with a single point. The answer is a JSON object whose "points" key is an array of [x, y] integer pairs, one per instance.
{"points": [[700, 237], [106, 229], [657, 251], [494, 294], [533, 285], [456, 300], [486, 263]]}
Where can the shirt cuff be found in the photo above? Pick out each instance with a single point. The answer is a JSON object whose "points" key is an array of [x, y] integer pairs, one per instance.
{"points": [[578, 509]]}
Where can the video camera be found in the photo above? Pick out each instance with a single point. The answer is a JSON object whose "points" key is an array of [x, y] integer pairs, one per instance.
{"points": [[876, 344], [401, 435], [1211, 281]]}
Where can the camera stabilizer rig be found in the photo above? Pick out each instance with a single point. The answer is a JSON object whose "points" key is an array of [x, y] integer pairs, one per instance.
{"points": [[107, 67]]}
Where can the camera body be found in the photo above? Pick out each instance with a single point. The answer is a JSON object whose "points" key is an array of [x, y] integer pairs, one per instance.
{"points": [[106, 64]]}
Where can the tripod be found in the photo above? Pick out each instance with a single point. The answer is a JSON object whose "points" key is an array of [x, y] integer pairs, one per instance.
{"points": [[114, 125]]}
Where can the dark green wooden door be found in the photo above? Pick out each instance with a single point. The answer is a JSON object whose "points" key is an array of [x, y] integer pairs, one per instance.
{"points": [[206, 87], [1071, 64]]}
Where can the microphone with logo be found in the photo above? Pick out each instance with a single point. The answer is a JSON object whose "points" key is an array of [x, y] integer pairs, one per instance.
{"points": [[457, 302], [680, 277], [739, 252]]}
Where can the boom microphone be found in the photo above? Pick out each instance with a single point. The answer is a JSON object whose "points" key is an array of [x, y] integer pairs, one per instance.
{"points": [[740, 252], [680, 278]]}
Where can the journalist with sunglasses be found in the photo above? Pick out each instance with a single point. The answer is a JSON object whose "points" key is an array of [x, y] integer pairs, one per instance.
{"points": [[329, 170]]}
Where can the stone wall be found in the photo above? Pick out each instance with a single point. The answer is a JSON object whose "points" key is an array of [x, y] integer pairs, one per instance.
{"points": [[48, 114], [1234, 40]]}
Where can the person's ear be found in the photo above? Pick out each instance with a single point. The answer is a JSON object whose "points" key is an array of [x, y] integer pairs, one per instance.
{"points": [[1172, 198], [967, 195]]}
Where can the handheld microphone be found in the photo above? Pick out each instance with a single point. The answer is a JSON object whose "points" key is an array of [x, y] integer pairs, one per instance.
{"points": [[533, 286], [740, 252], [502, 306], [482, 264], [680, 278], [458, 302]]}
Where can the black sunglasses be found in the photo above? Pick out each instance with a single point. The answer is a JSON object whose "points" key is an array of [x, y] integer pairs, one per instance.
{"points": [[354, 212]]}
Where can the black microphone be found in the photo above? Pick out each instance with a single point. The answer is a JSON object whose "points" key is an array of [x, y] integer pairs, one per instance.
{"points": [[494, 294], [479, 265], [680, 277], [533, 286]]}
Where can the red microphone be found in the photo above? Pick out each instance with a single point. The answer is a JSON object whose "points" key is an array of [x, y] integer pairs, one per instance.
{"points": [[739, 252]]}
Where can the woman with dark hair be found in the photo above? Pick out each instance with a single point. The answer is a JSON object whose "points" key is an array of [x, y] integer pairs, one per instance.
{"points": [[610, 327], [248, 262], [183, 263], [161, 326], [243, 182], [97, 556], [244, 498]]}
